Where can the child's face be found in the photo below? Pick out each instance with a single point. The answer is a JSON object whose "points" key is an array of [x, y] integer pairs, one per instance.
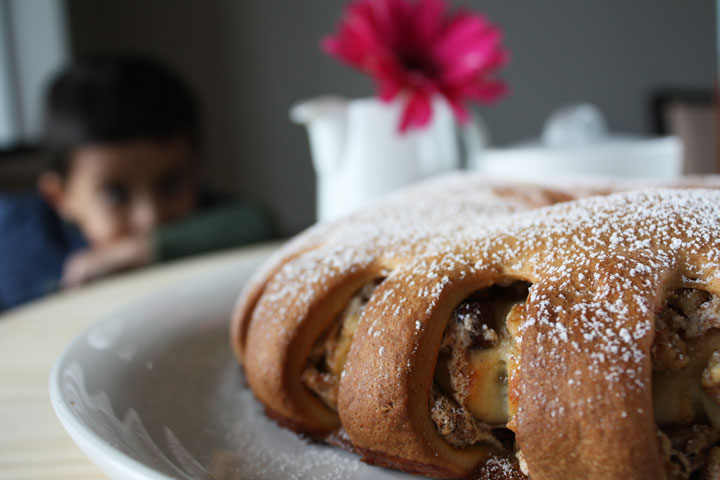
{"points": [[117, 190]]}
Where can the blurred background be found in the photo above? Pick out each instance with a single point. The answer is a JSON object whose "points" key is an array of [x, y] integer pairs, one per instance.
{"points": [[249, 61]]}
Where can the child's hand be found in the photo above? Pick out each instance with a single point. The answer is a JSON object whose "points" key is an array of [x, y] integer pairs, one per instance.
{"points": [[124, 254]]}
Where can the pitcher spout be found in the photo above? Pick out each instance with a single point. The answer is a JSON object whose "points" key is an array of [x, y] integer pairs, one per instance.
{"points": [[326, 120]]}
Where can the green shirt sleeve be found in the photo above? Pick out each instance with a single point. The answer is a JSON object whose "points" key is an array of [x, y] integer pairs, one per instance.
{"points": [[228, 225]]}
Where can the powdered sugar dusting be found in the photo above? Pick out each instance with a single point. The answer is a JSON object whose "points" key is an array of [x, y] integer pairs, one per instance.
{"points": [[596, 264], [261, 461]]}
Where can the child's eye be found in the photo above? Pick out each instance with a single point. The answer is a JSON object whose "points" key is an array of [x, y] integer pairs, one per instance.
{"points": [[115, 194]]}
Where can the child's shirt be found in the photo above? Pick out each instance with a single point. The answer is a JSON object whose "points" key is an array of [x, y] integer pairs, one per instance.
{"points": [[35, 242]]}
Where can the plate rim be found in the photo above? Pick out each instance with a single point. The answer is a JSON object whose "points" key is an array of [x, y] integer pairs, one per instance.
{"points": [[99, 451], [84, 437]]}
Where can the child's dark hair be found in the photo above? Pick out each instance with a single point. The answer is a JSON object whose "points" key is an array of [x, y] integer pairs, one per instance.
{"points": [[115, 98]]}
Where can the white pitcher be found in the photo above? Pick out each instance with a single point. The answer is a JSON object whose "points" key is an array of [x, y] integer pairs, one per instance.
{"points": [[358, 152]]}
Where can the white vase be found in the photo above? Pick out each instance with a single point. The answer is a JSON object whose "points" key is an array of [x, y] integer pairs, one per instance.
{"points": [[358, 152]]}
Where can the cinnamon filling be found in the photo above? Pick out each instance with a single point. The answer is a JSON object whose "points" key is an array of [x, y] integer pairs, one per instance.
{"points": [[329, 353]]}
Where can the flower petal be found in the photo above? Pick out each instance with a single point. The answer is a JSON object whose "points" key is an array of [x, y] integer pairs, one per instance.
{"points": [[486, 92], [458, 31], [428, 21], [420, 47], [461, 113], [388, 89], [417, 112]]}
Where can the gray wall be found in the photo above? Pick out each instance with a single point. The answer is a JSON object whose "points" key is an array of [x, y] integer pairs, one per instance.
{"points": [[248, 60]]}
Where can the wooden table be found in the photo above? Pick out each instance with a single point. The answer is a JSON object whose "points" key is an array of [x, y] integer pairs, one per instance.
{"points": [[33, 444]]}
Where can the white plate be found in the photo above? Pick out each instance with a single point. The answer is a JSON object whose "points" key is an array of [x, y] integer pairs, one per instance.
{"points": [[153, 392]]}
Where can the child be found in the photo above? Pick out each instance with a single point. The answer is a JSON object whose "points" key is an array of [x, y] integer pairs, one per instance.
{"points": [[120, 191]]}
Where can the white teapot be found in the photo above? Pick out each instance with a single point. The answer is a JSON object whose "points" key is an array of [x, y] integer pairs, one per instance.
{"points": [[359, 153]]}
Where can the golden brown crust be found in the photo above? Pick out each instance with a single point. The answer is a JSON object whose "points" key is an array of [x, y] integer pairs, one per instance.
{"points": [[383, 459], [318, 436], [246, 302], [618, 418], [397, 369], [599, 268], [278, 346]]}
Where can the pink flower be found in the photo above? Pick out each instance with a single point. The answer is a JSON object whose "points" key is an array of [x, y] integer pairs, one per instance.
{"points": [[421, 49]]}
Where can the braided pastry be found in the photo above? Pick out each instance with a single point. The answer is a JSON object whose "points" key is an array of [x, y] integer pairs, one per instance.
{"points": [[472, 328]]}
